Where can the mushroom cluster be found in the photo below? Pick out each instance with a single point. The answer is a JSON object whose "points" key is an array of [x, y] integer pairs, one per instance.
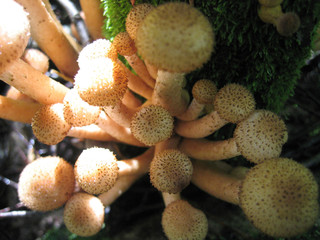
{"points": [[142, 100]]}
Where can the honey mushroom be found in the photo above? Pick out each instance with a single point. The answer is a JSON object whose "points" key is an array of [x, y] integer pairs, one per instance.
{"points": [[278, 196], [257, 138], [177, 39], [232, 103]]}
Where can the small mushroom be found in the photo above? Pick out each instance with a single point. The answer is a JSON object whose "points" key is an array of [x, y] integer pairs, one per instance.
{"points": [[46, 183]]}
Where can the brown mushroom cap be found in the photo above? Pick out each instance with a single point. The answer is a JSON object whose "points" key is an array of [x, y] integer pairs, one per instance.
{"points": [[135, 17], [204, 91], [102, 83], [152, 124], [96, 170], [83, 214], [234, 102], [175, 37], [288, 24], [46, 183], [280, 197], [124, 44], [78, 112], [48, 124], [14, 32], [261, 136], [180, 220], [171, 171]]}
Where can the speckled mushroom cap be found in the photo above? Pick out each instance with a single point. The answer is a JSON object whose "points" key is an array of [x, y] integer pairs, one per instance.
{"points": [[288, 24], [280, 197], [171, 171], [96, 170], [204, 91], [46, 183], [270, 3], [98, 49], [180, 220], [48, 124], [102, 83], [234, 102], [14, 32], [78, 112], [135, 17], [152, 124], [124, 44], [175, 37], [261, 136], [84, 214]]}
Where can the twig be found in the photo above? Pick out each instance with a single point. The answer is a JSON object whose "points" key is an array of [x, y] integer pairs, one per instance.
{"points": [[9, 182], [21, 213]]}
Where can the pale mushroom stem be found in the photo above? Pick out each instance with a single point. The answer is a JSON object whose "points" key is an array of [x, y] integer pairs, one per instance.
{"points": [[216, 182], [33, 83], [131, 100], [92, 132], [115, 130], [153, 70], [170, 197], [63, 50], [204, 149], [136, 84], [168, 92], [192, 113], [201, 127], [93, 17], [17, 110]]}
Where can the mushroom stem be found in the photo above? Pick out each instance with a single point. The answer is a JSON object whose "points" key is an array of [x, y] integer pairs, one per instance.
{"points": [[92, 132], [33, 83], [204, 149], [63, 50], [201, 127], [93, 17], [170, 197], [131, 100], [168, 92], [115, 130], [17, 110], [193, 111], [216, 182]]}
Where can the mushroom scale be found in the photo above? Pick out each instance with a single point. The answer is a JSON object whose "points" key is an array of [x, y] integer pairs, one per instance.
{"points": [[46, 183], [180, 220], [171, 171], [280, 197], [84, 214], [175, 37], [96, 170]]}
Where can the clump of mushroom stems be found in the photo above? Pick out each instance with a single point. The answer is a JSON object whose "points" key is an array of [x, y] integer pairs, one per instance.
{"points": [[146, 108]]}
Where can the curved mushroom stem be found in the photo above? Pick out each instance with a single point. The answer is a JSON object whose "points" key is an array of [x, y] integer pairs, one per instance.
{"points": [[93, 17], [193, 111], [63, 51], [201, 127], [216, 182], [33, 83], [92, 132], [168, 92], [204, 149], [115, 130], [131, 100]]}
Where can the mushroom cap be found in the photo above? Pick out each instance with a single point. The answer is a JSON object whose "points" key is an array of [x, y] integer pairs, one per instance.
{"points": [[84, 214], [48, 124], [270, 3], [171, 171], [98, 49], [234, 102], [135, 17], [204, 91], [124, 44], [96, 170], [288, 24], [280, 197], [152, 124], [46, 183], [261, 136], [180, 220], [14, 32], [175, 37], [78, 112], [102, 83]]}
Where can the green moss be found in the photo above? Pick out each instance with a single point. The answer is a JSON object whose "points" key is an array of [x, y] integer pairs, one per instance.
{"points": [[247, 50]]}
